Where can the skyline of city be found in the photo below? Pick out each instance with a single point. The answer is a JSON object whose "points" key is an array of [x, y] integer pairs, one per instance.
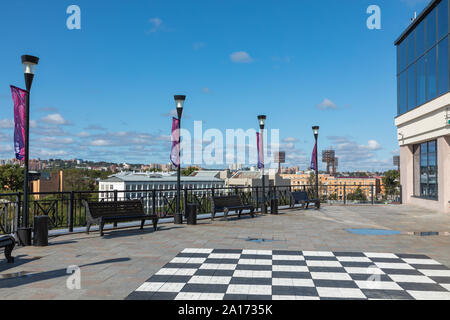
{"points": [[101, 118]]}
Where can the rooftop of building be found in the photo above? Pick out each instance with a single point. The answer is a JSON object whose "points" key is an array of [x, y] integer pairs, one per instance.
{"points": [[417, 20], [158, 177]]}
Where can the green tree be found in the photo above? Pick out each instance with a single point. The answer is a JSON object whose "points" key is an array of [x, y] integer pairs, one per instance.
{"points": [[357, 195], [11, 178], [391, 181], [188, 171]]}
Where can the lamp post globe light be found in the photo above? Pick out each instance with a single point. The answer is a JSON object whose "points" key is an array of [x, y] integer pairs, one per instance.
{"points": [[29, 64], [179, 103], [316, 135], [262, 123]]}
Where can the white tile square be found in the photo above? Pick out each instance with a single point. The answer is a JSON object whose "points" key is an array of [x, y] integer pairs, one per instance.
{"points": [[185, 272], [150, 286], [429, 295], [380, 255], [410, 278], [378, 285], [319, 263], [422, 261], [260, 290], [167, 271], [318, 254], [369, 271], [188, 296], [435, 273], [389, 265], [171, 287], [354, 259], [238, 289], [330, 276], [288, 258], [260, 262], [224, 256], [289, 268], [211, 296]]}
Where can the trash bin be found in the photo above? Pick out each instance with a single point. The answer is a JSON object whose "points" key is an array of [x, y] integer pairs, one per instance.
{"points": [[40, 237], [191, 213], [24, 236], [274, 206]]}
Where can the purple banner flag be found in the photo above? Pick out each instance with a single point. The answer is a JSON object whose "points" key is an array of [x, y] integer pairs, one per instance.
{"points": [[19, 97], [314, 160], [259, 143], [175, 153]]}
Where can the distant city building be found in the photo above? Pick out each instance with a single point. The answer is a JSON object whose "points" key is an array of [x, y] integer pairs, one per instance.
{"points": [[254, 179], [423, 111], [235, 166], [137, 185], [335, 185], [49, 182]]}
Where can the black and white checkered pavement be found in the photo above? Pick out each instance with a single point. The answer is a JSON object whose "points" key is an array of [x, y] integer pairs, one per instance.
{"points": [[221, 274]]}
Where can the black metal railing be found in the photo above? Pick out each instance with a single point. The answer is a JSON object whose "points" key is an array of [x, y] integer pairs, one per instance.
{"points": [[66, 209]]}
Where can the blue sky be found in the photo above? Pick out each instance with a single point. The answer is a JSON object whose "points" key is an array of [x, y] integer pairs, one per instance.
{"points": [[105, 92]]}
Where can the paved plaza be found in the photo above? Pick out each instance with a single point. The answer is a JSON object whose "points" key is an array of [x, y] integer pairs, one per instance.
{"points": [[305, 255]]}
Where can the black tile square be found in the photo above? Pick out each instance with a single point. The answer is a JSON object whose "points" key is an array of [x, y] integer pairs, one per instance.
{"points": [[387, 294], [291, 275], [335, 284], [209, 288]]}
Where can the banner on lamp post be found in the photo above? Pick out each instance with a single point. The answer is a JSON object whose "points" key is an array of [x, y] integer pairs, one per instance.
{"points": [[259, 143], [19, 99], [314, 158], [175, 152]]}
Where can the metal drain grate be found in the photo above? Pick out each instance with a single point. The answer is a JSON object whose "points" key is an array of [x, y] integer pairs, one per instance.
{"points": [[259, 240]]}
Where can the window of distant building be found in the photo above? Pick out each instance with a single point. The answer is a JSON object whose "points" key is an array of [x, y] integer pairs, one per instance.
{"points": [[426, 170], [423, 60]]}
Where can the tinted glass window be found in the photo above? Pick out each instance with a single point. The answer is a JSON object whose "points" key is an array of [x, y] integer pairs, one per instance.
{"points": [[402, 92], [428, 178], [421, 81], [442, 19], [402, 55], [420, 39], [412, 87], [411, 47], [443, 70], [431, 74], [431, 29]]}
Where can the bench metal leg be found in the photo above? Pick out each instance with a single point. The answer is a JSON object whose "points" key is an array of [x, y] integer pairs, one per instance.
{"points": [[142, 224], [239, 212], [8, 251], [252, 213], [155, 224], [225, 214], [88, 227], [102, 224], [213, 215]]}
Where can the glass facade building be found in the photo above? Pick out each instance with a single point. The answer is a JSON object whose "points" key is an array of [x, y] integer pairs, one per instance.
{"points": [[423, 60]]}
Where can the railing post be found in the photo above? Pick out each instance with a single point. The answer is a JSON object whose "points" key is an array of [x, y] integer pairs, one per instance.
{"points": [[257, 198], [345, 193], [185, 199], [17, 215], [153, 202], [373, 200], [115, 195], [71, 209]]}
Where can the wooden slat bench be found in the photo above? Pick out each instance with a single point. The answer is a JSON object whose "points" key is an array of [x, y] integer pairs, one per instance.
{"points": [[226, 204], [8, 242], [116, 211], [301, 197]]}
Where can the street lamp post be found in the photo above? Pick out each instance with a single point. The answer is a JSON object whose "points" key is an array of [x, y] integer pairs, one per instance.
{"points": [[316, 135], [29, 64], [262, 122], [179, 102]]}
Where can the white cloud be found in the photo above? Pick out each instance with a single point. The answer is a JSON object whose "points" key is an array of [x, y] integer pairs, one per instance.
{"points": [[54, 118], [100, 142], [156, 24], [374, 145], [241, 57], [83, 134], [6, 124], [290, 140], [326, 104]]}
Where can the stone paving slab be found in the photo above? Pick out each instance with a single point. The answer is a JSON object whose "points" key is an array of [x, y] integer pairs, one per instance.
{"points": [[115, 265]]}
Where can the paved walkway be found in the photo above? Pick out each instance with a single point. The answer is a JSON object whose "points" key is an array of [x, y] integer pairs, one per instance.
{"points": [[115, 266]]}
